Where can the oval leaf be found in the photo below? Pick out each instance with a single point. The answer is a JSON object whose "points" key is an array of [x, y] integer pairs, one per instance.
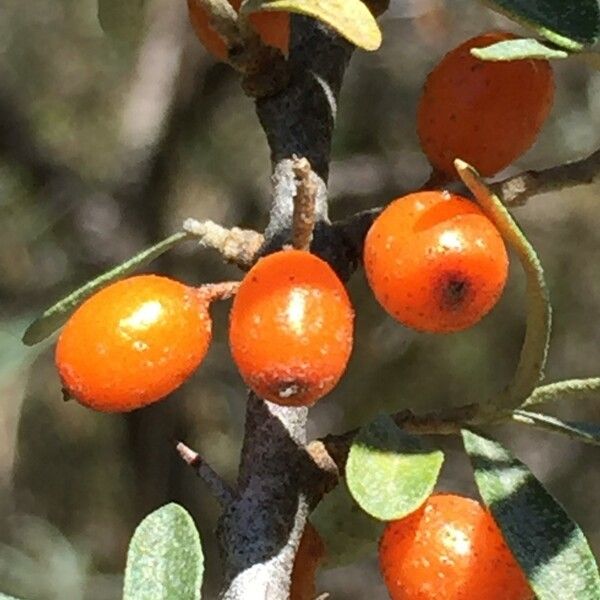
{"points": [[390, 473], [346, 530], [518, 50], [583, 432], [56, 316], [165, 560], [350, 18], [571, 24], [550, 548], [530, 369]]}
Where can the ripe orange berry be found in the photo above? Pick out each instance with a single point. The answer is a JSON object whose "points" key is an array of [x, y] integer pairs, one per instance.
{"points": [[133, 343], [487, 113], [449, 549], [310, 555], [435, 262], [291, 328], [273, 27]]}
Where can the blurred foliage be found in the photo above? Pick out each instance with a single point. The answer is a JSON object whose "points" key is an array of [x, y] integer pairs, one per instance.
{"points": [[105, 148]]}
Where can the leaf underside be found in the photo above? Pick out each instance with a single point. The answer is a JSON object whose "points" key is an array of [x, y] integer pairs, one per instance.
{"points": [[572, 24], [549, 546], [165, 560]]}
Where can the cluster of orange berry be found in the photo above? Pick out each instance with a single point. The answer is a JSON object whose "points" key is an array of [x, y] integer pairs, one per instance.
{"points": [[434, 261]]}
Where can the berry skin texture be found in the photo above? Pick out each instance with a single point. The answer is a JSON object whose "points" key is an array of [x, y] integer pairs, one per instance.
{"points": [[133, 343], [449, 549], [487, 113], [435, 262], [273, 28], [291, 328]]}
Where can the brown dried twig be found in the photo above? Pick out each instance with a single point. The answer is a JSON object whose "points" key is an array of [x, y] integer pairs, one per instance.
{"points": [[238, 246], [303, 220]]}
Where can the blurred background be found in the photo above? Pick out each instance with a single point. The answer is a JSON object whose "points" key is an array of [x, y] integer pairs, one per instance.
{"points": [[107, 144]]}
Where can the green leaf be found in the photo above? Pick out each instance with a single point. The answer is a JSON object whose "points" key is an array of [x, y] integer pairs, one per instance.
{"points": [[571, 389], [346, 530], [121, 20], [518, 50], [534, 352], [584, 432], [350, 18], [390, 473], [57, 315], [165, 560], [571, 24], [550, 548]]}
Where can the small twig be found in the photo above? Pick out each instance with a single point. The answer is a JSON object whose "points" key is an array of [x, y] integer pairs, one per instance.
{"points": [[224, 20], [238, 246], [218, 291], [264, 68], [517, 190], [450, 422], [220, 489], [303, 220]]}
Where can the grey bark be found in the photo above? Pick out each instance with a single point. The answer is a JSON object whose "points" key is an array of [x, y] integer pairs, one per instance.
{"points": [[260, 530]]}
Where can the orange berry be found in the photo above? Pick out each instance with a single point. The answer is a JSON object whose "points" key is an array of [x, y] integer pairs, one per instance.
{"points": [[487, 113], [435, 262], [273, 27], [291, 328], [133, 343], [311, 552], [449, 549]]}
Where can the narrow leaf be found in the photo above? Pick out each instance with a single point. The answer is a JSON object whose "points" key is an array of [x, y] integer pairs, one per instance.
{"points": [[584, 432], [350, 18], [165, 560], [518, 50], [550, 548], [348, 533], [390, 473], [531, 364], [571, 24], [571, 389], [57, 315]]}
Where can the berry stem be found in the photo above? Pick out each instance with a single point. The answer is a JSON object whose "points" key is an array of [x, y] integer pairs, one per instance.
{"points": [[218, 487], [303, 219]]}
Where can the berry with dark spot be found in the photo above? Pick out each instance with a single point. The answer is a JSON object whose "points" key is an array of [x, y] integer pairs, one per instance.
{"points": [[435, 262]]}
